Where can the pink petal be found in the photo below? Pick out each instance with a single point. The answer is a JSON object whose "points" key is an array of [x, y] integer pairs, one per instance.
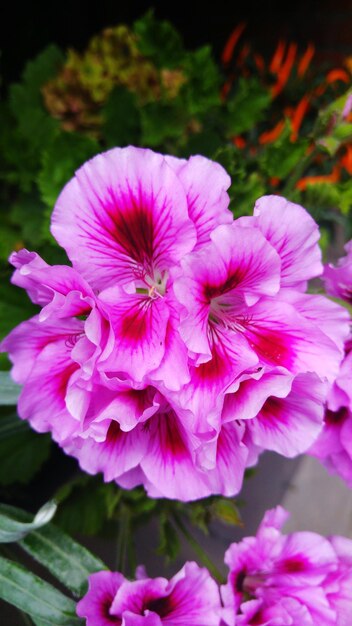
{"points": [[139, 325], [205, 183], [169, 465], [330, 317], [122, 216], [96, 604], [27, 340], [289, 425], [294, 235], [42, 400], [118, 453], [204, 394], [236, 264], [231, 457], [281, 336], [59, 288]]}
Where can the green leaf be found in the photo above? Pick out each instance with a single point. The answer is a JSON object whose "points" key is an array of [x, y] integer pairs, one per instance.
{"points": [[13, 530], [248, 105], [60, 160], [67, 560], [34, 596], [122, 124], [226, 511], [86, 504], [281, 157], [201, 90], [34, 122], [27, 213], [161, 122], [159, 41], [22, 451], [9, 390], [14, 306]]}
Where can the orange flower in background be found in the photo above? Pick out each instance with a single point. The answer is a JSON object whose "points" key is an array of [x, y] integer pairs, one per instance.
{"points": [[230, 45], [334, 177], [306, 60], [346, 159], [298, 116], [270, 136]]}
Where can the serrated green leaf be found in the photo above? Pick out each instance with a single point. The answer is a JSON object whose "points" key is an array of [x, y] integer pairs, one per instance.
{"points": [[161, 122], [60, 161], [67, 560], [14, 530], [247, 106], [34, 596], [27, 213], [9, 390], [201, 91], [122, 124], [159, 41]]}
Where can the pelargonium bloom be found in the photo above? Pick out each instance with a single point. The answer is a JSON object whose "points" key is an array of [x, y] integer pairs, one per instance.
{"points": [[333, 446], [190, 598], [180, 343], [293, 580], [338, 279]]}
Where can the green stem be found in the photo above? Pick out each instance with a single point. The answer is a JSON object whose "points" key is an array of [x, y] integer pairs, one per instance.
{"points": [[299, 171], [122, 540], [202, 555]]}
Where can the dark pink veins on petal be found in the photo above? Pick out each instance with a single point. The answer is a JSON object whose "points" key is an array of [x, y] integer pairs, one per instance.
{"points": [[132, 226]]}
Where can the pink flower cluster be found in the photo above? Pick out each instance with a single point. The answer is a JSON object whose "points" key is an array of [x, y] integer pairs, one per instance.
{"points": [[334, 445], [181, 342], [300, 579], [190, 598]]}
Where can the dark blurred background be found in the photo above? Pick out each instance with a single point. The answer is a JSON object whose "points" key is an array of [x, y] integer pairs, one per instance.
{"points": [[26, 28]]}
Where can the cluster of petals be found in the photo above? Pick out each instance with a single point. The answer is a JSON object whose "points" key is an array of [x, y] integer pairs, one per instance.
{"points": [[301, 579], [190, 598], [334, 444], [181, 342]]}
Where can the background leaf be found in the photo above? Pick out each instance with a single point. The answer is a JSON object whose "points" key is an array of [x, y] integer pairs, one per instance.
{"points": [[9, 390], [22, 451], [66, 559], [32, 595], [14, 530]]}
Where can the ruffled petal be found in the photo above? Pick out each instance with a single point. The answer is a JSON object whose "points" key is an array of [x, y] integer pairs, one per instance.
{"points": [[118, 453], [96, 604], [138, 324], [169, 465], [58, 288], [122, 216], [289, 425], [205, 183], [294, 235]]}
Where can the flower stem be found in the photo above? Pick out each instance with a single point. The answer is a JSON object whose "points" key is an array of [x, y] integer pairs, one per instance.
{"points": [[298, 172], [202, 555], [122, 540]]}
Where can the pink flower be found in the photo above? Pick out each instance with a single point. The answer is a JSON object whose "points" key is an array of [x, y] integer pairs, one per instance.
{"points": [[180, 344], [338, 279], [287, 580], [190, 598], [333, 446]]}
